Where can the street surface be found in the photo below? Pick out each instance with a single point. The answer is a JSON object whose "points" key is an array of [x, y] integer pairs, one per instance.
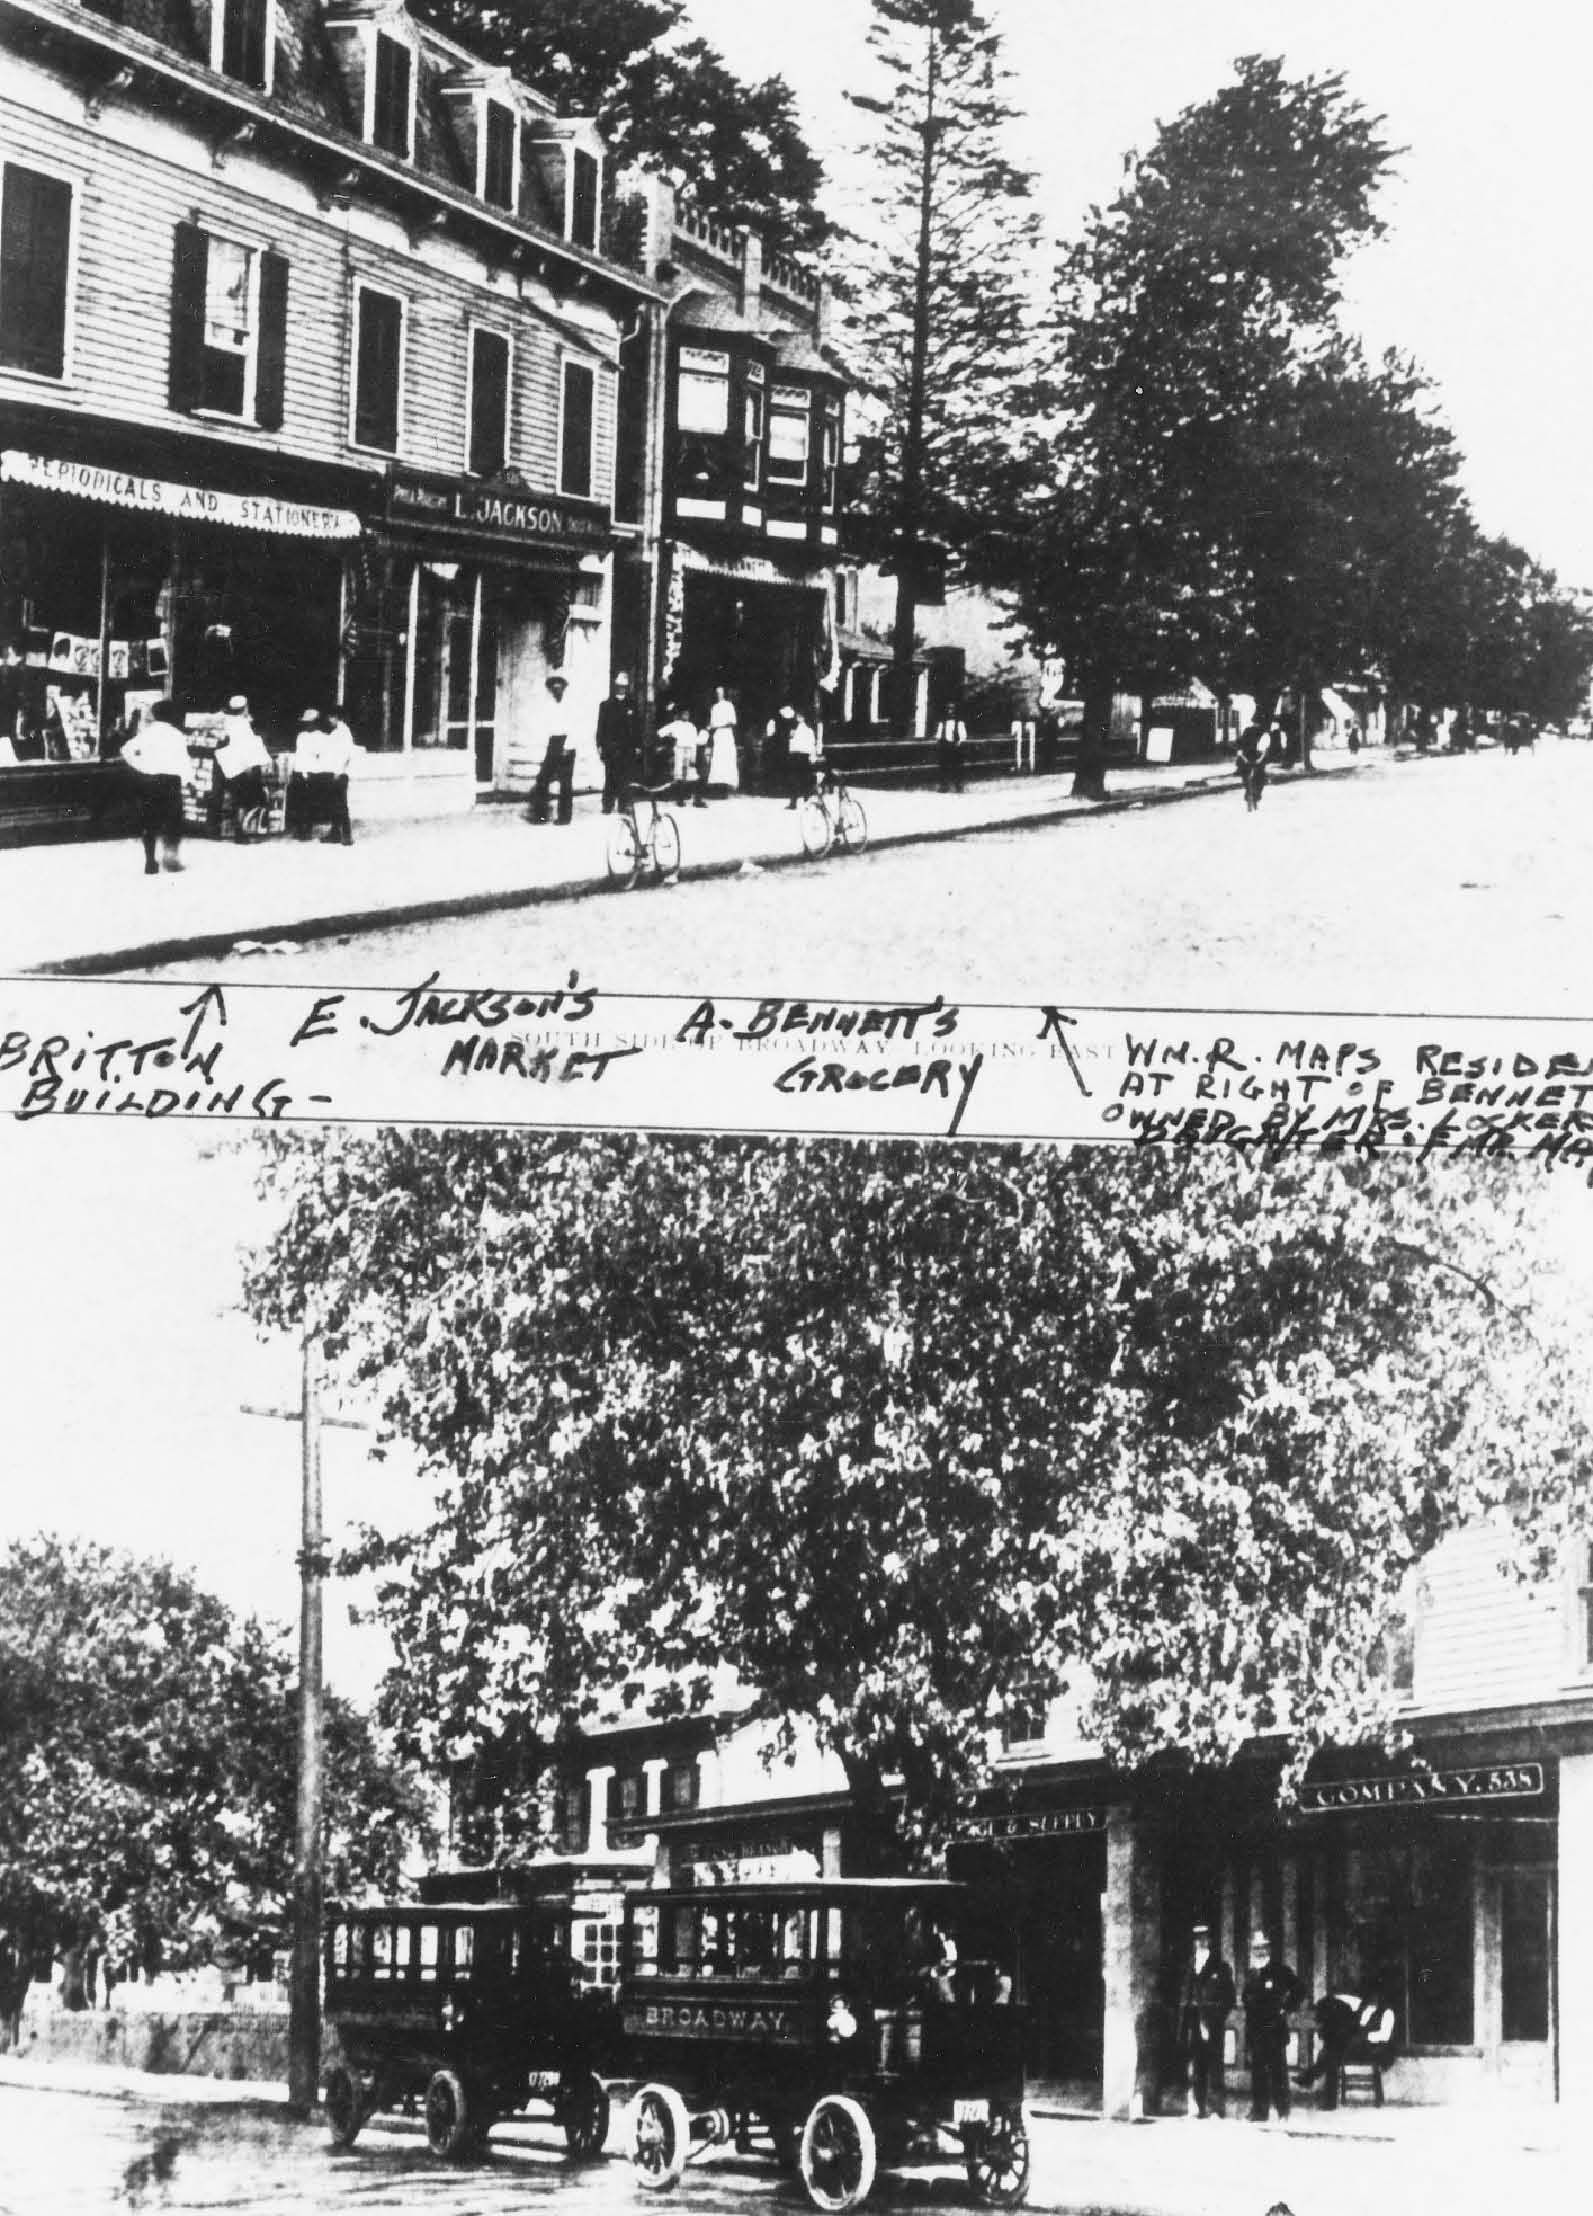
{"points": [[171, 2145], [1443, 885]]}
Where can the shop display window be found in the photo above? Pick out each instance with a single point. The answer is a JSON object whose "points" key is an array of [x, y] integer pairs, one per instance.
{"points": [[1412, 1922]]}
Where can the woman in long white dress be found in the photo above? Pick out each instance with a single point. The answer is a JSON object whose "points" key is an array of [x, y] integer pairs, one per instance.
{"points": [[724, 770]]}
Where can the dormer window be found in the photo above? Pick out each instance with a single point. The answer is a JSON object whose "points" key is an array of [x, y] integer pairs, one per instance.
{"points": [[498, 146], [392, 96], [242, 40], [584, 177]]}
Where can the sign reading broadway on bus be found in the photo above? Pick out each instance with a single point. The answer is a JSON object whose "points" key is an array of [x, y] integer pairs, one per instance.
{"points": [[767, 2023], [1426, 1788]]}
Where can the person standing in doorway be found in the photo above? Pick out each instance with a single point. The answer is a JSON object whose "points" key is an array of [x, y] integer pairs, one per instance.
{"points": [[157, 754], [617, 732], [1271, 1991], [724, 771], [1204, 2007]]}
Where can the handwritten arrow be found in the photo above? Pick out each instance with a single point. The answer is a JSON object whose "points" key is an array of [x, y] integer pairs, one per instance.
{"points": [[210, 997]]}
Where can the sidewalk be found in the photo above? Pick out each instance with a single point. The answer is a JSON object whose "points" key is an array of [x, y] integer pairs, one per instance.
{"points": [[88, 909]]}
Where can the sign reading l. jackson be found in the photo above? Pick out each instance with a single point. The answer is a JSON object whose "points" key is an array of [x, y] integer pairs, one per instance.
{"points": [[496, 510], [1425, 1788]]}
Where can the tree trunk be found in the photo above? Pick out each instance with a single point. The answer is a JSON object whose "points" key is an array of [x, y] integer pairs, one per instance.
{"points": [[910, 519], [15, 1979], [1089, 773]]}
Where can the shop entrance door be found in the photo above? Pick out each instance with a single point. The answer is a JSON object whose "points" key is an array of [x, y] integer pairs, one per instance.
{"points": [[1526, 1983]]}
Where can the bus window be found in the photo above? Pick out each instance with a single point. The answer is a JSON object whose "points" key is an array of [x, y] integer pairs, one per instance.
{"points": [[644, 1941], [382, 1950], [403, 1950], [464, 1950], [427, 1936]]}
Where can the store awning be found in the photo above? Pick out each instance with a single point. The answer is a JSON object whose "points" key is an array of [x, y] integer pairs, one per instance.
{"points": [[184, 503]]}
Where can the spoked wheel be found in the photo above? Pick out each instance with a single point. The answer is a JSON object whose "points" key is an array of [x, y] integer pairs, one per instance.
{"points": [[660, 2136], [624, 852], [346, 2106], [666, 846], [852, 827], [451, 2132], [998, 2159], [813, 821], [838, 2155], [582, 2108]]}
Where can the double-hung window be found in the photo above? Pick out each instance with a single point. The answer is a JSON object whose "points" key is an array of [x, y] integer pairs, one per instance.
{"points": [[35, 270], [789, 433], [378, 369], [830, 454], [702, 404], [229, 328], [392, 96], [242, 40], [489, 402], [576, 429]]}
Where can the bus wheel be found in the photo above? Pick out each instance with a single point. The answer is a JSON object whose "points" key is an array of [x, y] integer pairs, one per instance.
{"points": [[660, 2137]]}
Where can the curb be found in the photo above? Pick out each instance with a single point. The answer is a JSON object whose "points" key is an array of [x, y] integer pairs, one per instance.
{"points": [[447, 907]]}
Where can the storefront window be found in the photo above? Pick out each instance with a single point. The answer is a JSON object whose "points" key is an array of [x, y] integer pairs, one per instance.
{"points": [[1524, 1953], [1413, 1936]]}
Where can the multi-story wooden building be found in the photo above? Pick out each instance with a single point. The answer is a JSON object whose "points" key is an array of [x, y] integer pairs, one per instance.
{"points": [[1454, 1879], [731, 444], [309, 356]]}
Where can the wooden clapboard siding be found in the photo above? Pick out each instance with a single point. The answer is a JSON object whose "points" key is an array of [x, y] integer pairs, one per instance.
{"points": [[1484, 1639], [139, 179]]}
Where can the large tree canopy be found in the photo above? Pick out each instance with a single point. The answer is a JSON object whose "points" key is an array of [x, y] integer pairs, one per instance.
{"points": [[737, 150], [147, 1766], [891, 1430]]}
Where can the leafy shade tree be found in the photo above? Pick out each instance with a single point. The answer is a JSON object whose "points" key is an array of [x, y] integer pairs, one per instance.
{"points": [[940, 305], [147, 1767], [1183, 320], [662, 98], [888, 1430]]}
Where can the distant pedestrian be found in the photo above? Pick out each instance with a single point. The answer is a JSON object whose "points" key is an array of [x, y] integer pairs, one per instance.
{"points": [[157, 754], [1204, 2007], [618, 738], [952, 740], [1250, 761], [1271, 1991]]}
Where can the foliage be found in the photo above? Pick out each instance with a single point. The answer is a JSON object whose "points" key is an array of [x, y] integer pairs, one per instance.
{"points": [[147, 1769], [938, 280], [737, 150], [888, 1430]]}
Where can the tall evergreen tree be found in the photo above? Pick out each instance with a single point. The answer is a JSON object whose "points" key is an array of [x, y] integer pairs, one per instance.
{"points": [[737, 150], [940, 305]]}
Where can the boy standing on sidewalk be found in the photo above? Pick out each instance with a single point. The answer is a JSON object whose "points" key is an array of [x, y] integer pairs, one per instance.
{"points": [[157, 753]]}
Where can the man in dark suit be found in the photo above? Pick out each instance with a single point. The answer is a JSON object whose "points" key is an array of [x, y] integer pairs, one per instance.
{"points": [[1207, 1997], [1271, 1991], [617, 734]]}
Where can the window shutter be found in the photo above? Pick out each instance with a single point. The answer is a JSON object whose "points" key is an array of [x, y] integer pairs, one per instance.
{"points": [[189, 260], [489, 404], [381, 322], [575, 473], [35, 250], [271, 367]]}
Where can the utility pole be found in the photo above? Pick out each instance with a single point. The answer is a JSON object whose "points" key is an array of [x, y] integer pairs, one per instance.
{"points": [[304, 1977]]}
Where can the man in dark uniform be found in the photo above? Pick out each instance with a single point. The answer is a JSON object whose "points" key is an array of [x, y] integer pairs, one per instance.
{"points": [[1271, 1991], [617, 735], [1207, 1997]]}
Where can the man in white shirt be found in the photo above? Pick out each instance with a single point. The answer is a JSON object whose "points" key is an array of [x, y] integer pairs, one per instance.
{"points": [[323, 756], [243, 763], [157, 754]]}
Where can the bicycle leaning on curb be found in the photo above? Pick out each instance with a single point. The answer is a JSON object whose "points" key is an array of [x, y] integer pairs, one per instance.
{"points": [[635, 845], [830, 815]]}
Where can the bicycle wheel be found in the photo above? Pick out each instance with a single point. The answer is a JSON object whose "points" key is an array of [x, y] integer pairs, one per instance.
{"points": [[624, 852], [813, 821], [851, 825], [666, 846]]}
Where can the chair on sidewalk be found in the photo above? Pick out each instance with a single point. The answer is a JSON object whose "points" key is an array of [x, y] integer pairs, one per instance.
{"points": [[1365, 2059]]}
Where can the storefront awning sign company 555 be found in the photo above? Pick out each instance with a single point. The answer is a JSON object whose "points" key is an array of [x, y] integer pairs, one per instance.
{"points": [[1425, 1789], [117, 488]]}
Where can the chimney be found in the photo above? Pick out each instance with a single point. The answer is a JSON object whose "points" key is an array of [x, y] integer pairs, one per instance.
{"points": [[751, 301]]}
